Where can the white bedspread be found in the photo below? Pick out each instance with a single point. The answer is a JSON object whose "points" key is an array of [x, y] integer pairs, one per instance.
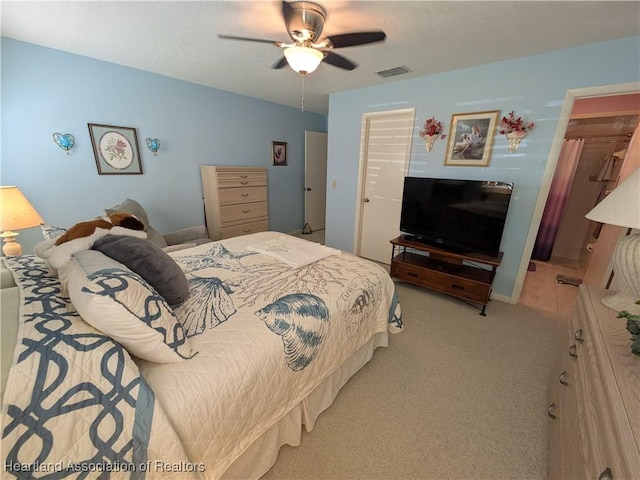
{"points": [[280, 333]]}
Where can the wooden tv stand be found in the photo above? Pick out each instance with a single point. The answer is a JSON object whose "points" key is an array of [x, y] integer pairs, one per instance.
{"points": [[444, 271]]}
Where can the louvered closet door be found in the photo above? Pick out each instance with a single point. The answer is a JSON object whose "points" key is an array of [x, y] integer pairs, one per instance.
{"points": [[387, 149]]}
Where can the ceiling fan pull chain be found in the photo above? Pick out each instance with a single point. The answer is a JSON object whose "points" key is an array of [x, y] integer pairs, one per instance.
{"points": [[302, 92]]}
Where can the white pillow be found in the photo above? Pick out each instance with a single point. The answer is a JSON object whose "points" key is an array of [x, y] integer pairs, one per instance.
{"points": [[119, 303]]}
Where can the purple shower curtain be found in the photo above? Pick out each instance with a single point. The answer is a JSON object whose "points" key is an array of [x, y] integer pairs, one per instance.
{"points": [[557, 199]]}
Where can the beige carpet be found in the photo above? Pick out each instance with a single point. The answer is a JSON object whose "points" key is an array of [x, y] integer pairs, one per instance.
{"points": [[455, 396]]}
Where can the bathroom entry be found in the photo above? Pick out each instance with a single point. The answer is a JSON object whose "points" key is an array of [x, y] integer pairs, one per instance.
{"points": [[598, 117], [597, 174], [588, 169]]}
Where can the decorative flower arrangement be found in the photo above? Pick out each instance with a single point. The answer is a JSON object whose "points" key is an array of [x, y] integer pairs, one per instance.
{"points": [[431, 127], [430, 131], [512, 124]]}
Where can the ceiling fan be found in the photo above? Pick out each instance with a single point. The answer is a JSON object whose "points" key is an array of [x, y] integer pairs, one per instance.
{"points": [[304, 22]]}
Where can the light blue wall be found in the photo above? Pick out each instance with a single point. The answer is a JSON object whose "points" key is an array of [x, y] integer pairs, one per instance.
{"points": [[46, 91], [535, 87]]}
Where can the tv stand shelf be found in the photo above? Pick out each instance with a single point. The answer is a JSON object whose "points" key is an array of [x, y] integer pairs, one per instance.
{"points": [[445, 271]]}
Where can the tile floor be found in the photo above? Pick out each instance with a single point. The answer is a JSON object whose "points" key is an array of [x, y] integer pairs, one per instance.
{"points": [[541, 290]]}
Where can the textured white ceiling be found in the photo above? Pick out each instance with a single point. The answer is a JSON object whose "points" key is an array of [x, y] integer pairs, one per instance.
{"points": [[178, 38]]}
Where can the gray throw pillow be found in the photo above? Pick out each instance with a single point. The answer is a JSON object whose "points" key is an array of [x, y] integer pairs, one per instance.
{"points": [[134, 208], [150, 262], [155, 237]]}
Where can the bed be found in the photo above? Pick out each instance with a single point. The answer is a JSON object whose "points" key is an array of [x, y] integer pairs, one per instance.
{"points": [[272, 327]]}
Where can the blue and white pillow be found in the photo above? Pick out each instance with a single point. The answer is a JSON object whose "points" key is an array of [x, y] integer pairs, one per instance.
{"points": [[49, 232], [121, 304]]}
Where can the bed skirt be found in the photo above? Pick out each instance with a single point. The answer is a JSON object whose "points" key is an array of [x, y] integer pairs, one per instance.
{"points": [[263, 453]]}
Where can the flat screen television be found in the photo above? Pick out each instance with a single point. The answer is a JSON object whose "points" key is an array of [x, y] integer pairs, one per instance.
{"points": [[458, 215]]}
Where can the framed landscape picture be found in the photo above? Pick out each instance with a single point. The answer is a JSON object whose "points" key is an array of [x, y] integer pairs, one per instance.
{"points": [[115, 149], [471, 138]]}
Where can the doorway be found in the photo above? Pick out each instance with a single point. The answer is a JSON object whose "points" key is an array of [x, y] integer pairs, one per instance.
{"points": [[315, 181], [384, 159], [604, 124]]}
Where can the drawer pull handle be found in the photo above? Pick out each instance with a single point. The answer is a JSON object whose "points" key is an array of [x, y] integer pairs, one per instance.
{"points": [[578, 336], [459, 287], [244, 176], [572, 351], [244, 183], [563, 379], [550, 410], [246, 211], [244, 194], [248, 230], [411, 274], [606, 474]]}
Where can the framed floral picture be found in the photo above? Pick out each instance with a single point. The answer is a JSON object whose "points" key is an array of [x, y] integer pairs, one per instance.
{"points": [[115, 149], [279, 153], [471, 138]]}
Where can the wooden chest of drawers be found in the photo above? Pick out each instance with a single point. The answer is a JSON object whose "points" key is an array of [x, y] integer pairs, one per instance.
{"points": [[594, 397], [235, 200]]}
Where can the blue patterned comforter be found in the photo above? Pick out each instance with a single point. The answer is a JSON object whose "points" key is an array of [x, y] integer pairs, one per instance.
{"points": [[75, 404]]}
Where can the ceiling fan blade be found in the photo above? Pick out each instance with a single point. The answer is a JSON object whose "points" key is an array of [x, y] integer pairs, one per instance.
{"points": [[339, 61], [356, 38], [280, 63], [249, 39]]}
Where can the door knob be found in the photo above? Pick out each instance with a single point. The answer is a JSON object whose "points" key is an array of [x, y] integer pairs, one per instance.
{"points": [[307, 189], [366, 200]]}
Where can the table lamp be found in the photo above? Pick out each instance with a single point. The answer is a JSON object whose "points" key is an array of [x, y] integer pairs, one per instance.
{"points": [[15, 213], [622, 208]]}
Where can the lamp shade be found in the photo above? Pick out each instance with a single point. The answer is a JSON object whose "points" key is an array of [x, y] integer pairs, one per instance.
{"points": [[15, 210], [622, 206], [303, 59]]}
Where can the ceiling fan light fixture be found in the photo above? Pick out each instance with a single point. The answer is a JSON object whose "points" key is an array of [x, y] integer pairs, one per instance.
{"points": [[303, 59]]}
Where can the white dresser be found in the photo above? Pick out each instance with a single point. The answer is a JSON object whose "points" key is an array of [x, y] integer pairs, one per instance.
{"points": [[594, 397], [235, 200]]}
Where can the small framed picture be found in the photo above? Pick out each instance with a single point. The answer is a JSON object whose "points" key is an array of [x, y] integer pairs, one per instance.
{"points": [[471, 138], [115, 149], [279, 153]]}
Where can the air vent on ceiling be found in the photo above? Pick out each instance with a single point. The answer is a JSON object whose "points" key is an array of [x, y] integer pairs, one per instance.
{"points": [[392, 72]]}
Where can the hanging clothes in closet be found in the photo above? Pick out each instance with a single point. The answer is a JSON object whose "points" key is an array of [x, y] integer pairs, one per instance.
{"points": [[608, 173]]}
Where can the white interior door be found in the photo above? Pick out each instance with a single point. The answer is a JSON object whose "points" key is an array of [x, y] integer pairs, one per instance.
{"points": [[315, 179], [385, 158]]}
